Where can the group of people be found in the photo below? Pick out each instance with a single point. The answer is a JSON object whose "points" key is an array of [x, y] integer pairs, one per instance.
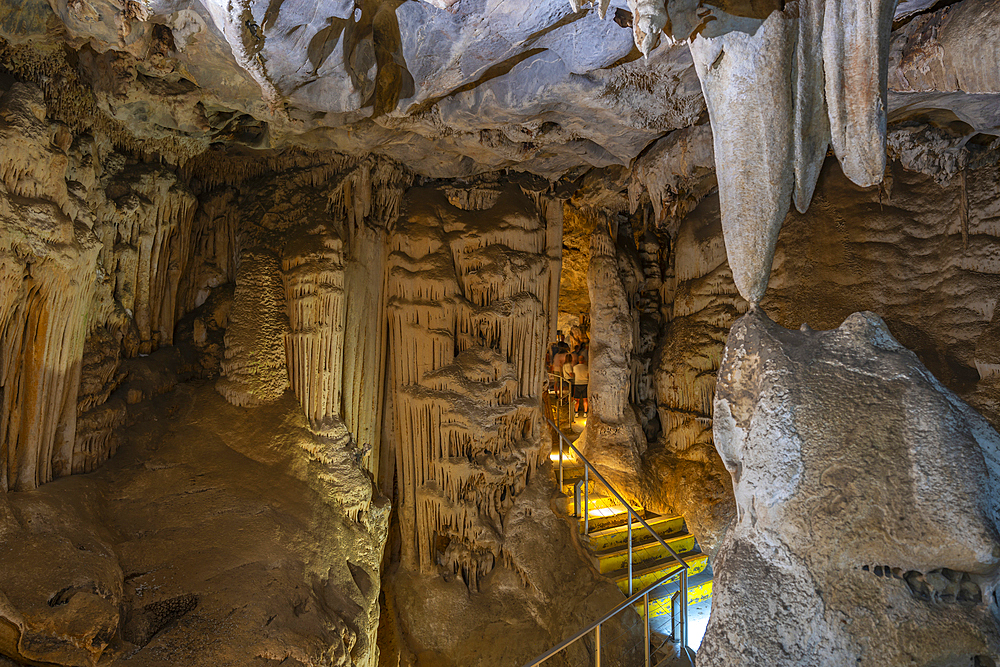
{"points": [[571, 365]]}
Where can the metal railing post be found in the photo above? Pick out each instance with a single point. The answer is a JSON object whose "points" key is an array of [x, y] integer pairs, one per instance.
{"points": [[587, 467], [630, 551], [684, 608], [586, 500], [634, 599], [674, 610], [597, 653], [560, 463], [645, 634], [567, 400]]}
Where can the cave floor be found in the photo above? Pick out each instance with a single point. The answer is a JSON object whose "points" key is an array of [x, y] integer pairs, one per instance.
{"points": [[213, 526]]}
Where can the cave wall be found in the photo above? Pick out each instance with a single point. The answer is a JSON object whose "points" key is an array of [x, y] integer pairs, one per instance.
{"points": [[920, 253], [95, 246]]}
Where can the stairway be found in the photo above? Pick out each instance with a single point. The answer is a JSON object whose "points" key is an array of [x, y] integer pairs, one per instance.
{"points": [[608, 545]]}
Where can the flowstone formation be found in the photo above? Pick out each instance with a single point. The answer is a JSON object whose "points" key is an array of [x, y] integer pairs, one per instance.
{"points": [[470, 304], [469, 292], [877, 531], [309, 294]]}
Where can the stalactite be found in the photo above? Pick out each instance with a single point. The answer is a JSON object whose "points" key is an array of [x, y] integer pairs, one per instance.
{"points": [[467, 332], [214, 169], [745, 81], [369, 192], [704, 307], [766, 85], [648, 19], [43, 331], [147, 248], [473, 199], [48, 259], [812, 123], [71, 101], [855, 66], [313, 272]]}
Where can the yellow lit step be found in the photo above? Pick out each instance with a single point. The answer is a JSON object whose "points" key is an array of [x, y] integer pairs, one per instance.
{"points": [[642, 577], [598, 506], [617, 559], [615, 536], [663, 606]]}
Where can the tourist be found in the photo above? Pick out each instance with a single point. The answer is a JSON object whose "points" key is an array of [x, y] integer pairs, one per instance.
{"points": [[581, 377], [567, 371]]}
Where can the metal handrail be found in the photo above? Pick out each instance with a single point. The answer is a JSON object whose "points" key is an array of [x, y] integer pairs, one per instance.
{"points": [[590, 466], [564, 398], [596, 625], [682, 568]]}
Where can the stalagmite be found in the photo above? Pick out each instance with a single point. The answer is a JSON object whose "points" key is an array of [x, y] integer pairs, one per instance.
{"points": [[254, 370], [866, 492], [612, 333], [855, 64], [745, 81], [613, 437]]}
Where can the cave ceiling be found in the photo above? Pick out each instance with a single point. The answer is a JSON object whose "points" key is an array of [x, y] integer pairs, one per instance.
{"points": [[447, 88]]}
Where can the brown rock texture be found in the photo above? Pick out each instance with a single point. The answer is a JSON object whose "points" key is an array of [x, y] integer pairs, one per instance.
{"points": [[217, 535]]}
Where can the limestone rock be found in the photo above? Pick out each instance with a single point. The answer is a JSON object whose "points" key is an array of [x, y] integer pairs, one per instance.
{"points": [[548, 588], [676, 173], [988, 349], [62, 586], [947, 50], [874, 540], [884, 252], [855, 61], [214, 536], [48, 256], [812, 124], [745, 79]]}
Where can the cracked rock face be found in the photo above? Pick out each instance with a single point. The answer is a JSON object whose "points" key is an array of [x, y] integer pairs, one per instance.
{"points": [[449, 89], [867, 505]]}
